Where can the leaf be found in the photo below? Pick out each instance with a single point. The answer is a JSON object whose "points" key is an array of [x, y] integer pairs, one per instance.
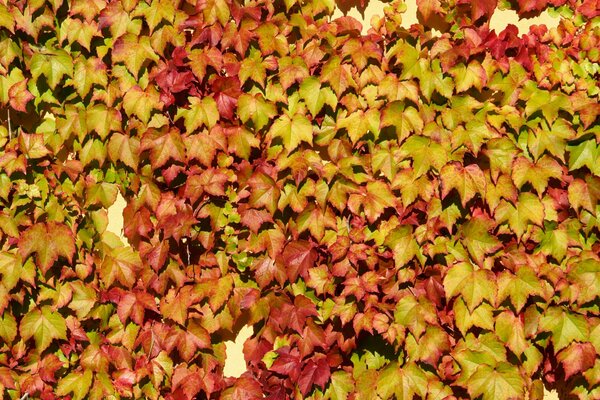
{"points": [[359, 123], [565, 326], [403, 244], [102, 193], [509, 328], [291, 70], [120, 264], [77, 383], [19, 96], [502, 382], [577, 358], [477, 239], [337, 75], [298, 257], [313, 373], [54, 65], [48, 241], [374, 199], [468, 181], [537, 174], [125, 149], [226, 91], [474, 285], [292, 131], [585, 277], [265, 192], [468, 76], [255, 108], [341, 385], [141, 103], [406, 120], [585, 154], [428, 8], [158, 11], [164, 145], [316, 96], [519, 286], [8, 328], [425, 154], [44, 325], [529, 208], [402, 382], [244, 388], [88, 72], [135, 51]]}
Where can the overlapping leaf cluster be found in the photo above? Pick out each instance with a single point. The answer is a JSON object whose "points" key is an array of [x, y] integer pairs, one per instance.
{"points": [[397, 214]]}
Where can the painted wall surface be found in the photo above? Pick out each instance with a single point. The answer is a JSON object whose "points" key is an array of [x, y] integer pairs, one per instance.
{"points": [[235, 364]]}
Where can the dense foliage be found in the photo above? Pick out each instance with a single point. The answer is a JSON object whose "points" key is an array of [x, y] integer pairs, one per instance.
{"points": [[404, 213]]}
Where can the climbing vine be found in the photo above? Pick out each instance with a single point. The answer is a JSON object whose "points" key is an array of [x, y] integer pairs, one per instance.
{"points": [[406, 213]]}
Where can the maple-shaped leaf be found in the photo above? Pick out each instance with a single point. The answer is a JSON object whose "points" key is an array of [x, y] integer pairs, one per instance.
{"points": [[585, 277], [133, 305], [6, 18], [342, 384], [292, 131], [315, 96], [477, 239], [402, 382], [44, 325], [474, 285], [76, 30], [125, 149], [8, 327], [338, 75], [102, 193], [406, 120], [54, 65], [265, 191], [158, 11], [313, 373], [226, 91], [255, 108], [549, 103], [468, 76], [267, 270], [577, 358], [202, 112], [203, 146], [481, 317], [519, 286], [135, 51], [482, 8], [502, 382], [77, 383], [408, 56], [140, 102], [245, 388], [48, 241], [361, 51], [374, 199], [430, 347], [425, 154], [566, 327], [432, 79], [509, 328], [298, 257], [428, 9], [585, 154], [360, 123], [403, 244], [201, 59], [415, 314], [537, 174], [241, 141], [19, 96], [528, 209], [254, 67], [468, 181], [292, 70], [164, 145], [254, 219], [120, 264]]}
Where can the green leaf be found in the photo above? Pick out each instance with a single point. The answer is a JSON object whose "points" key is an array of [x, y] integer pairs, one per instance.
{"points": [[468, 181], [158, 11], [502, 382], [585, 154], [509, 328], [359, 123], [255, 108], [8, 328], [125, 149], [402, 382], [403, 244], [537, 174], [415, 314], [292, 131], [406, 120], [474, 285], [481, 317], [140, 102], [102, 193], [425, 154], [77, 383], [315, 97], [44, 325], [53, 65], [519, 286], [135, 51], [529, 208], [468, 76], [477, 239], [565, 326], [201, 113], [341, 385]]}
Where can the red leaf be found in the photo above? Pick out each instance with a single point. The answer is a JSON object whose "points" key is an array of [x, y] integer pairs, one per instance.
{"points": [[297, 258], [577, 358], [287, 364], [253, 218], [19, 96], [245, 388], [316, 373], [226, 92], [48, 241], [266, 269]]}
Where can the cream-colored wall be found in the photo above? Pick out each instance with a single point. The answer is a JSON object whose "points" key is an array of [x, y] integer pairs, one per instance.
{"points": [[235, 364]]}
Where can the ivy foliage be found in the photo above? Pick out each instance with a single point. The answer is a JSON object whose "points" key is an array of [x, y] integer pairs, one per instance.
{"points": [[409, 213]]}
